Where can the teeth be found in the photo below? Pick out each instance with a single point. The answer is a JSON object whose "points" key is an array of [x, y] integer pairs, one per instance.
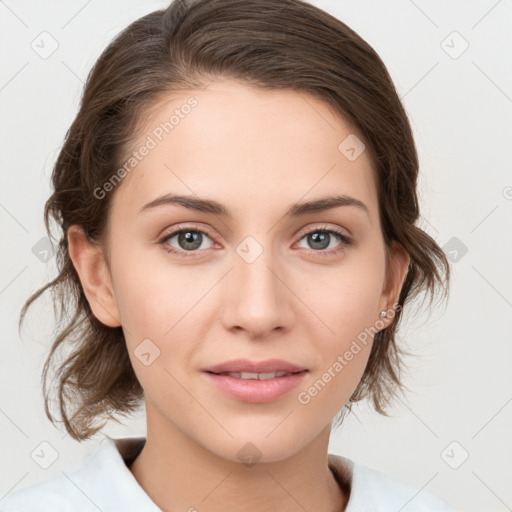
{"points": [[251, 375]]}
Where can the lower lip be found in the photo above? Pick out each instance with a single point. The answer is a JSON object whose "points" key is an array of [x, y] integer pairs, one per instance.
{"points": [[255, 390]]}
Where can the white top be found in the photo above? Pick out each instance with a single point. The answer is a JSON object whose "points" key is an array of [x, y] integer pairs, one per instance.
{"points": [[103, 482]]}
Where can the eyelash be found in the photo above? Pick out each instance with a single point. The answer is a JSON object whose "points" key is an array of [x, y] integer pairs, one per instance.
{"points": [[346, 241]]}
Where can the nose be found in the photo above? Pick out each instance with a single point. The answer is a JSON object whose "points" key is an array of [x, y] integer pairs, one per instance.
{"points": [[258, 299]]}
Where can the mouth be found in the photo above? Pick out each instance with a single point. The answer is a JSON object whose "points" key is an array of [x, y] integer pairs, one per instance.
{"points": [[257, 375], [255, 387], [246, 366]]}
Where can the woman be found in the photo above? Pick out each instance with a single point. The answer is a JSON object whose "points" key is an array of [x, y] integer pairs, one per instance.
{"points": [[237, 198]]}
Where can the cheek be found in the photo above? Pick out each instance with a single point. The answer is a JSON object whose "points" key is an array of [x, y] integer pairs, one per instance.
{"points": [[151, 294], [348, 319], [156, 317], [347, 298], [160, 307]]}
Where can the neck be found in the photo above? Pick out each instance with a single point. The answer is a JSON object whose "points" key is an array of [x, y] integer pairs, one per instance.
{"points": [[180, 474]]}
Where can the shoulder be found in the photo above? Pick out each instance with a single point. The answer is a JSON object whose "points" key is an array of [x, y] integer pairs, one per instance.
{"points": [[374, 490], [102, 482], [56, 493]]}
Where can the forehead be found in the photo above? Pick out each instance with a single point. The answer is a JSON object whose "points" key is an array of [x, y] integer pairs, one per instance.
{"points": [[245, 146]]}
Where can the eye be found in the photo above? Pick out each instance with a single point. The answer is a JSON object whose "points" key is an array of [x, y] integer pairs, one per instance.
{"points": [[321, 239], [191, 240], [188, 239]]}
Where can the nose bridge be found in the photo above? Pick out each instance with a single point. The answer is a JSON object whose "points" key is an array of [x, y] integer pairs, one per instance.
{"points": [[258, 299]]}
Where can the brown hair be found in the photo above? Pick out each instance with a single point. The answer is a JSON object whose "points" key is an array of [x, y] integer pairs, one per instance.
{"points": [[271, 44]]}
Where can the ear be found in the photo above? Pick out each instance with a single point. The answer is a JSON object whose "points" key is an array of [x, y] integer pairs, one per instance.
{"points": [[398, 267], [91, 267]]}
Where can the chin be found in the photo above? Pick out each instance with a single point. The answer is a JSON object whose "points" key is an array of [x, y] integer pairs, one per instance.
{"points": [[252, 445]]}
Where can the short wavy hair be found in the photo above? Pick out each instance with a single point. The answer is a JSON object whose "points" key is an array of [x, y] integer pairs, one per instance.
{"points": [[270, 44]]}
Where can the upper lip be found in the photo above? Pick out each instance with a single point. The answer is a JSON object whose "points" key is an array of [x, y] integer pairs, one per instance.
{"points": [[245, 365]]}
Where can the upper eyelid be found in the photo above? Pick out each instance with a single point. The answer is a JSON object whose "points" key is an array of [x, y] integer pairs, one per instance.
{"points": [[304, 231], [179, 228]]}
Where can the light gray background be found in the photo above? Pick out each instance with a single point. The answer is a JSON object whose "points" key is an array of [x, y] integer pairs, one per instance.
{"points": [[460, 105]]}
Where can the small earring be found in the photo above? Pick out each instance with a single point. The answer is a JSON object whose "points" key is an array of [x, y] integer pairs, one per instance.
{"points": [[383, 314]]}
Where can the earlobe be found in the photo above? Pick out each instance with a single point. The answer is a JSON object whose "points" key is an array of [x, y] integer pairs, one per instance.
{"points": [[397, 272], [91, 267]]}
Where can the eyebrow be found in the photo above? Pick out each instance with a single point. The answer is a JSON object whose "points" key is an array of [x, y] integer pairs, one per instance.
{"points": [[295, 210]]}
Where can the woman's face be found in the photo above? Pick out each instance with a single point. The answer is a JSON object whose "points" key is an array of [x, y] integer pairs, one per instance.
{"points": [[266, 279]]}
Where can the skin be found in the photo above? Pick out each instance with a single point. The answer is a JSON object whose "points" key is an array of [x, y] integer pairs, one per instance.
{"points": [[256, 152]]}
